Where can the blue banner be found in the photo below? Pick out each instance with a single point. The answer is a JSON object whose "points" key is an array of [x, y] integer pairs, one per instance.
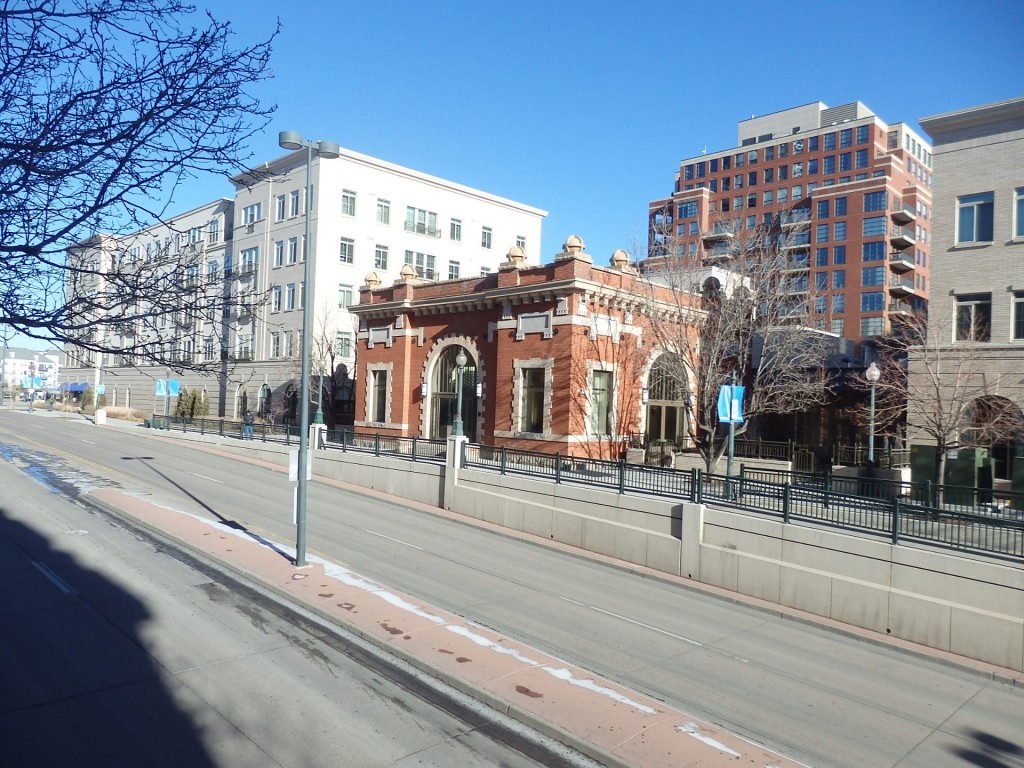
{"points": [[730, 404]]}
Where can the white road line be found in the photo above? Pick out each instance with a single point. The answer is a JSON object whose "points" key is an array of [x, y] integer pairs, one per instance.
{"points": [[90, 442], [62, 585], [211, 479], [397, 541], [647, 626], [574, 602]]}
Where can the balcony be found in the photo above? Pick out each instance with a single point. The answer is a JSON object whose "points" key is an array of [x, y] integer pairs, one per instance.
{"points": [[720, 232], [900, 308], [900, 213], [795, 217], [901, 286], [247, 272], [901, 261], [902, 237], [797, 262], [720, 252], [422, 229]]}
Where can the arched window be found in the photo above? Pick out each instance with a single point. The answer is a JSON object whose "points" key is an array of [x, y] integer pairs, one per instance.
{"points": [[667, 402], [264, 408], [241, 401], [442, 398]]}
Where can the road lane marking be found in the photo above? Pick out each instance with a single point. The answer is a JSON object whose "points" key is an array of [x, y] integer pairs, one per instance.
{"points": [[397, 541], [211, 479], [62, 585], [90, 442]]}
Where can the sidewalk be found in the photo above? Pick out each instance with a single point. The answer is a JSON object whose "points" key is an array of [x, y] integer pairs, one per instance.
{"points": [[605, 721]]}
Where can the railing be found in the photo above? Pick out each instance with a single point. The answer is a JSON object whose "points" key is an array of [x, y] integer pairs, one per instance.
{"points": [[422, 229], [204, 425], [414, 448]]}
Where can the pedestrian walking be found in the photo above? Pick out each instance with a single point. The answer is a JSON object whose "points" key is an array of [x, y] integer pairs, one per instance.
{"points": [[247, 422]]}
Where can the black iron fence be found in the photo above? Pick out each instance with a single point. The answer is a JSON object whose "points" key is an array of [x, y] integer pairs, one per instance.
{"points": [[278, 433], [413, 448]]}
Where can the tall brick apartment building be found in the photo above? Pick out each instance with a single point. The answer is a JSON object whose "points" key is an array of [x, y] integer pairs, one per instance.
{"points": [[850, 194], [558, 358]]}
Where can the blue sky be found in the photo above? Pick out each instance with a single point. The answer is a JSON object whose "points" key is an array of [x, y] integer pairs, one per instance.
{"points": [[586, 109]]}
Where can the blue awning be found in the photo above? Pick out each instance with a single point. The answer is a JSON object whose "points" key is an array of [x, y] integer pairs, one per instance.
{"points": [[75, 386]]}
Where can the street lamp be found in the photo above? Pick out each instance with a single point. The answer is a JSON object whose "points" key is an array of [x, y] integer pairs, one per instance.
{"points": [[460, 362], [327, 150], [872, 374]]}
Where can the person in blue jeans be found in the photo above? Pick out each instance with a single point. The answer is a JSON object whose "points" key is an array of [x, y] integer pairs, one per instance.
{"points": [[247, 422]]}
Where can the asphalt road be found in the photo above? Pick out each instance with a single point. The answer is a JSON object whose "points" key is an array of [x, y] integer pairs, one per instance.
{"points": [[815, 695]]}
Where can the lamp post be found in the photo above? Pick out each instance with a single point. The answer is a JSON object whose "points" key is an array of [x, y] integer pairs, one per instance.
{"points": [[872, 374], [460, 362], [326, 149]]}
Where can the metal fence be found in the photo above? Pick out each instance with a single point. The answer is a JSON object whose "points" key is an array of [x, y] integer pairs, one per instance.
{"points": [[414, 448], [277, 433]]}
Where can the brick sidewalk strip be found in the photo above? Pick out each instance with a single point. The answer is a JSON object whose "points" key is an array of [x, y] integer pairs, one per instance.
{"points": [[609, 723]]}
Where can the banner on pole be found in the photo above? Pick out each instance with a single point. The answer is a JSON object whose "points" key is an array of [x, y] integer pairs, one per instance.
{"points": [[730, 404]]}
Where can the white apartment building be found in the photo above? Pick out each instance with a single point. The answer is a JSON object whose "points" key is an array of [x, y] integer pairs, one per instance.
{"points": [[36, 369], [368, 216]]}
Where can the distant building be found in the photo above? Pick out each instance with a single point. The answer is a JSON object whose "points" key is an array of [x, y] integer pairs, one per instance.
{"points": [[848, 195], [30, 369], [367, 215], [978, 255]]}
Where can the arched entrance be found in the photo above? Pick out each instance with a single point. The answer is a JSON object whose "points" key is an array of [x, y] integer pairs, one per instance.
{"points": [[241, 401], [264, 408], [667, 404], [442, 398]]}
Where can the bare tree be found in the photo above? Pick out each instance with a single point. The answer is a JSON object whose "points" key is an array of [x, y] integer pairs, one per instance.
{"points": [[946, 391], [756, 300], [328, 368], [106, 108]]}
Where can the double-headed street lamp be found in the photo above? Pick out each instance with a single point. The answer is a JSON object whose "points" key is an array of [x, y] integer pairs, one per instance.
{"points": [[460, 367], [327, 150], [872, 374]]}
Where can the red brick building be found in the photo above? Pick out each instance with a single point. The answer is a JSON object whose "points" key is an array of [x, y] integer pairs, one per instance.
{"points": [[557, 355]]}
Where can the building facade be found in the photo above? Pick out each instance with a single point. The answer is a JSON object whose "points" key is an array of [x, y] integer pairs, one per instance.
{"points": [[977, 304], [846, 196], [26, 370], [558, 358], [248, 255]]}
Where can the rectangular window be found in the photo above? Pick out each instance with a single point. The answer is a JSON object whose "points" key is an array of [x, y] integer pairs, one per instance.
{"points": [[380, 396], [845, 137], [823, 206], [845, 162], [752, 179], [839, 278], [214, 230], [974, 317], [821, 257], [874, 226], [485, 237], [279, 253], [383, 212], [873, 251], [830, 142], [601, 402], [798, 170], [380, 257], [1018, 316], [348, 202], [295, 203], [821, 233], [839, 303], [812, 167], [872, 326], [767, 197], [252, 213], [421, 222], [783, 150], [872, 276], [872, 301], [424, 264], [798, 191], [343, 344], [453, 270], [531, 412], [874, 201], [293, 250], [212, 271], [821, 281], [782, 195], [344, 295], [346, 251], [862, 134], [769, 153], [812, 144], [840, 206], [275, 344], [280, 207], [1018, 213], [974, 218], [769, 175], [829, 164], [840, 230], [820, 303], [455, 230], [250, 260], [861, 158], [275, 298], [521, 241], [289, 296], [838, 326]]}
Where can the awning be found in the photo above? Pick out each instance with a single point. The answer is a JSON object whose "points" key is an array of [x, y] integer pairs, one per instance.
{"points": [[74, 386]]}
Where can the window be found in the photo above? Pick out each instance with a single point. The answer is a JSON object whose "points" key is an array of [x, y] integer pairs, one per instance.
{"points": [[812, 167], [840, 230], [344, 295], [280, 207], [293, 250], [302, 295], [1018, 213], [531, 412], [829, 164], [485, 237], [453, 270], [348, 202], [872, 276], [424, 264], [767, 197], [798, 170], [821, 281], [840, 205], [838, 326], [874, 226], [485, 271], [862, 134], [250, 260], [839, 278], [252, 213], [820, 303], [289, 296], [821, 257], [872, 301], [421, 222], [821, 233], [846, 137], [1018, 316], [874, 201], [275, 344], [845, 162], [812, 144], [861, 158], [212, 270], [244, 346], [783, 195], [455, 230], [769, 175], [769, 153], [798, 191], [974, 317], [279, 253], [380, 257], [974, 218], [275, 299], [830, 142], [347, 251], [874, 251], [689, 210], [839, 303], [752, 179], [521, 241], [295, 203], [379, 411], [601, 402], [343, 344], [823, 206], [872, 326], [214, 231], [286, 344], [383, 212]]}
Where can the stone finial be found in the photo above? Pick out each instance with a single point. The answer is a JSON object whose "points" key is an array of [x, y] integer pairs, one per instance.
{"points": [[372, 280], [408, 273], [516, 255], [620, 261], [573, 248]]}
